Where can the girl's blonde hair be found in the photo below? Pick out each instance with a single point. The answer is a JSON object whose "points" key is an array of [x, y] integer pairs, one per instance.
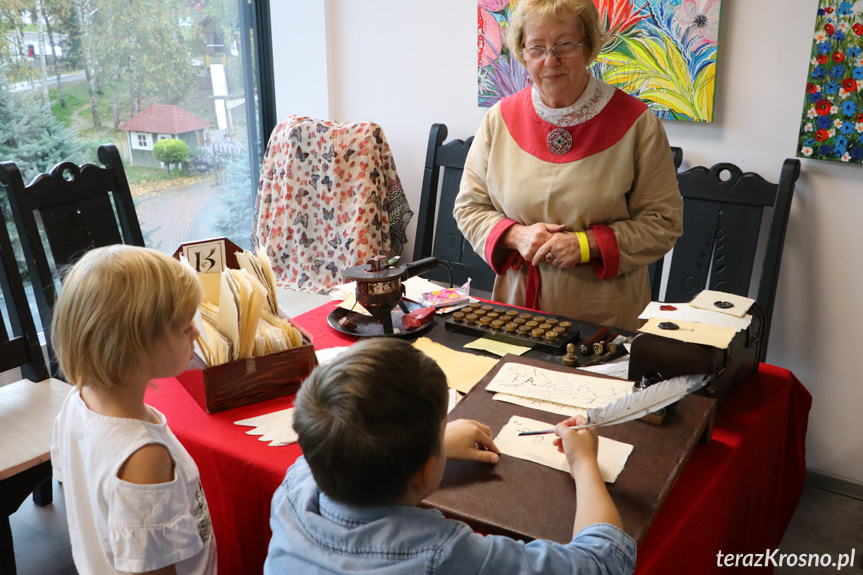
{"points": [[115, 305], [538, 10]]}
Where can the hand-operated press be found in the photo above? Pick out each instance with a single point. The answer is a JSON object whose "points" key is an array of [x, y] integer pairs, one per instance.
{"points": [[379, 290]]}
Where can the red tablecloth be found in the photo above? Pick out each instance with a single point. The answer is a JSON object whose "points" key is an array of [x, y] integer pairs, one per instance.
{"points": [[736, 494]]}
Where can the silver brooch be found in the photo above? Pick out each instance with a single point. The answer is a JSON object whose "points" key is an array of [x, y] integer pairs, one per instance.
{"points": [[559, 141]]}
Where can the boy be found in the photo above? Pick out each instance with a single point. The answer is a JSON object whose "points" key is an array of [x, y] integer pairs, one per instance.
{"points": [[372, 427]]}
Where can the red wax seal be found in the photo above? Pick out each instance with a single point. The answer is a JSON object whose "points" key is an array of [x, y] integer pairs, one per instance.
{"points": [[667, 308]]}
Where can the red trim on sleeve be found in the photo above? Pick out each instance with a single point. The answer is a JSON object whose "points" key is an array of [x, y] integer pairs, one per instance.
{"points": [[608, 266], [506, 257]]}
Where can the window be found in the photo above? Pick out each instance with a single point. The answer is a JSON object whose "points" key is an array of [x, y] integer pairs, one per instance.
{"points": [[158, 70]]}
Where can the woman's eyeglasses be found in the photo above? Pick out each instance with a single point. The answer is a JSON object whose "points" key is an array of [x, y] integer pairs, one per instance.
{"points": [[561, 51]]}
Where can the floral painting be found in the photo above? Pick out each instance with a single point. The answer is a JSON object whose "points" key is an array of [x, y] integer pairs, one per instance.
{"points": [[663, 52], [832, 126]]}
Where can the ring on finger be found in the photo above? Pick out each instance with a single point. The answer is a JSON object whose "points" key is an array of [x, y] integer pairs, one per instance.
{"points": [[549, 257]]}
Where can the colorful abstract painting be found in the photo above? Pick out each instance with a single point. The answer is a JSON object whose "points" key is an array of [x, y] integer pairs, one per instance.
{"points": [[663, 52], [832, 126]]}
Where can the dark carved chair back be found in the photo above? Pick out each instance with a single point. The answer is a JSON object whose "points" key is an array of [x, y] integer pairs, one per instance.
{"points": [[655, 269], [722, 214], [19, 343], [19, 348], [80, 207], [437, 233]]}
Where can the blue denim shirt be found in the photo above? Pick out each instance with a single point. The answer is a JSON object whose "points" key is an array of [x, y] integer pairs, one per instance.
{"points": [[313, 534]]}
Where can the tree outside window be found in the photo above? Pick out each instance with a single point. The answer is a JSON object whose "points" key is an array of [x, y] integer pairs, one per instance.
{"points": [[177, 71]]}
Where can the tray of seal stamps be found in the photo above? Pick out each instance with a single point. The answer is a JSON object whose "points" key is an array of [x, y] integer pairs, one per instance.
{"points": [[549, 333]]}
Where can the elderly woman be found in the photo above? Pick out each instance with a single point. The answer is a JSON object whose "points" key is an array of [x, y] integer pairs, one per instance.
{"points": [[569, 190]]}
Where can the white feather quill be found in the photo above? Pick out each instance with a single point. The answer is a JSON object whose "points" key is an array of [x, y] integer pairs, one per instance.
{"points": [[640, 403]]}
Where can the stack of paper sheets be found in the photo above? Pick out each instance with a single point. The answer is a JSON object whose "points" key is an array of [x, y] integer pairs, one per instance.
{"points": [[700, 321], [239, 315], [561, 392]]}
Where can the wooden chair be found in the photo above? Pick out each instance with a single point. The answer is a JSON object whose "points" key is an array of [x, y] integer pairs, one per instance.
{"points": [[437, 233], [80, 207], [27, 408], [654, 270], [722, 213]]}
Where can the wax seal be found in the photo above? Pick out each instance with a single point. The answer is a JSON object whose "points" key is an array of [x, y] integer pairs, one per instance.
{"points": [[559, 141], [721, 304], [668, 325], [667, 308]]}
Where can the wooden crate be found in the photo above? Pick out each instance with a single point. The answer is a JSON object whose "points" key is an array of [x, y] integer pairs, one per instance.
{"points": [[247, 381], [251, 380]]}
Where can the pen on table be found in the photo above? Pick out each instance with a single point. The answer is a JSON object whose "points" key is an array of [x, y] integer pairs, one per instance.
{"points": [[547, 431]]}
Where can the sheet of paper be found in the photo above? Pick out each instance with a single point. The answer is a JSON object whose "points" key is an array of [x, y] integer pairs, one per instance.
{"points": [[210, 283], [276, 427], [416, 286], [567, 388], [540, 448], [252, 297], [496, 347], [454, 398], [270, 275], [463, 370], [252, 264], [707, 299], [685, 312], [350, 303], [229, 314], [548, 406], [692, 332], [327, 355], [618, 368], [341, 291]]}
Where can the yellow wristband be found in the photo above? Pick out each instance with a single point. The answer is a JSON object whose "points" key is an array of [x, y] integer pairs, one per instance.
{"points": [[584, 246]]}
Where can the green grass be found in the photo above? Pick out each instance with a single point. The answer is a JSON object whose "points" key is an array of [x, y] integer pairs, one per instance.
{"points": [[139, 175], [77, 112], [75, 99]]}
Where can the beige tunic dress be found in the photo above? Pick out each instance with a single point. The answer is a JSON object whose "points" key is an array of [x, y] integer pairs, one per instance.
{"points": [[619, 176]]}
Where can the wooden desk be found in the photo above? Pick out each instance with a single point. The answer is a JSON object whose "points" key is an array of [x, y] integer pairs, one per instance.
{"points": [[528, 501], [736, 494]]}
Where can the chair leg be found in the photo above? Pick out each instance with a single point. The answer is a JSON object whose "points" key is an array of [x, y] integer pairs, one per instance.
{"points": [[7, 551], [44, 494]]}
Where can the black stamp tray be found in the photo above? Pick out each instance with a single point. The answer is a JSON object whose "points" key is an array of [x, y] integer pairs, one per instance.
{"points": [[570, 333]]}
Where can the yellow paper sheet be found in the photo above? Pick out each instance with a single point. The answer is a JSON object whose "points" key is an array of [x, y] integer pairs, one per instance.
{"points": [[540, 449], [463, 370], [496, 347], [350, 303], [210, 283], [692, 332], [252, 298], [229, 314]]}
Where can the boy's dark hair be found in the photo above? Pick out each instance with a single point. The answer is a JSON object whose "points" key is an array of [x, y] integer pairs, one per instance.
{"points": [[369, 419]]}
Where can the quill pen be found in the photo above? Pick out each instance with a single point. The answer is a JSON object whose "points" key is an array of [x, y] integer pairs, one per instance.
{"points": [[638, 404]]}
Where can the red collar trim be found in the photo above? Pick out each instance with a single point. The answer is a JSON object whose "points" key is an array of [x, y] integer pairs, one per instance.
{"points": [[597, 134]]}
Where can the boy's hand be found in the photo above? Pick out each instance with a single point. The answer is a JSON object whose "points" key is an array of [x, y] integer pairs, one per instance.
{"points": [[580, 446], [469, 440]]}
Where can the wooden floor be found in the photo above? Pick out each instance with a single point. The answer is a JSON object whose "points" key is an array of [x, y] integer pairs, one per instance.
{"points": [[824, 523]]}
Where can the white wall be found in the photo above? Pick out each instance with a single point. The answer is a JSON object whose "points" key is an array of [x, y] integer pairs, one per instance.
{"points": [[300, 58], [406, 67]]}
